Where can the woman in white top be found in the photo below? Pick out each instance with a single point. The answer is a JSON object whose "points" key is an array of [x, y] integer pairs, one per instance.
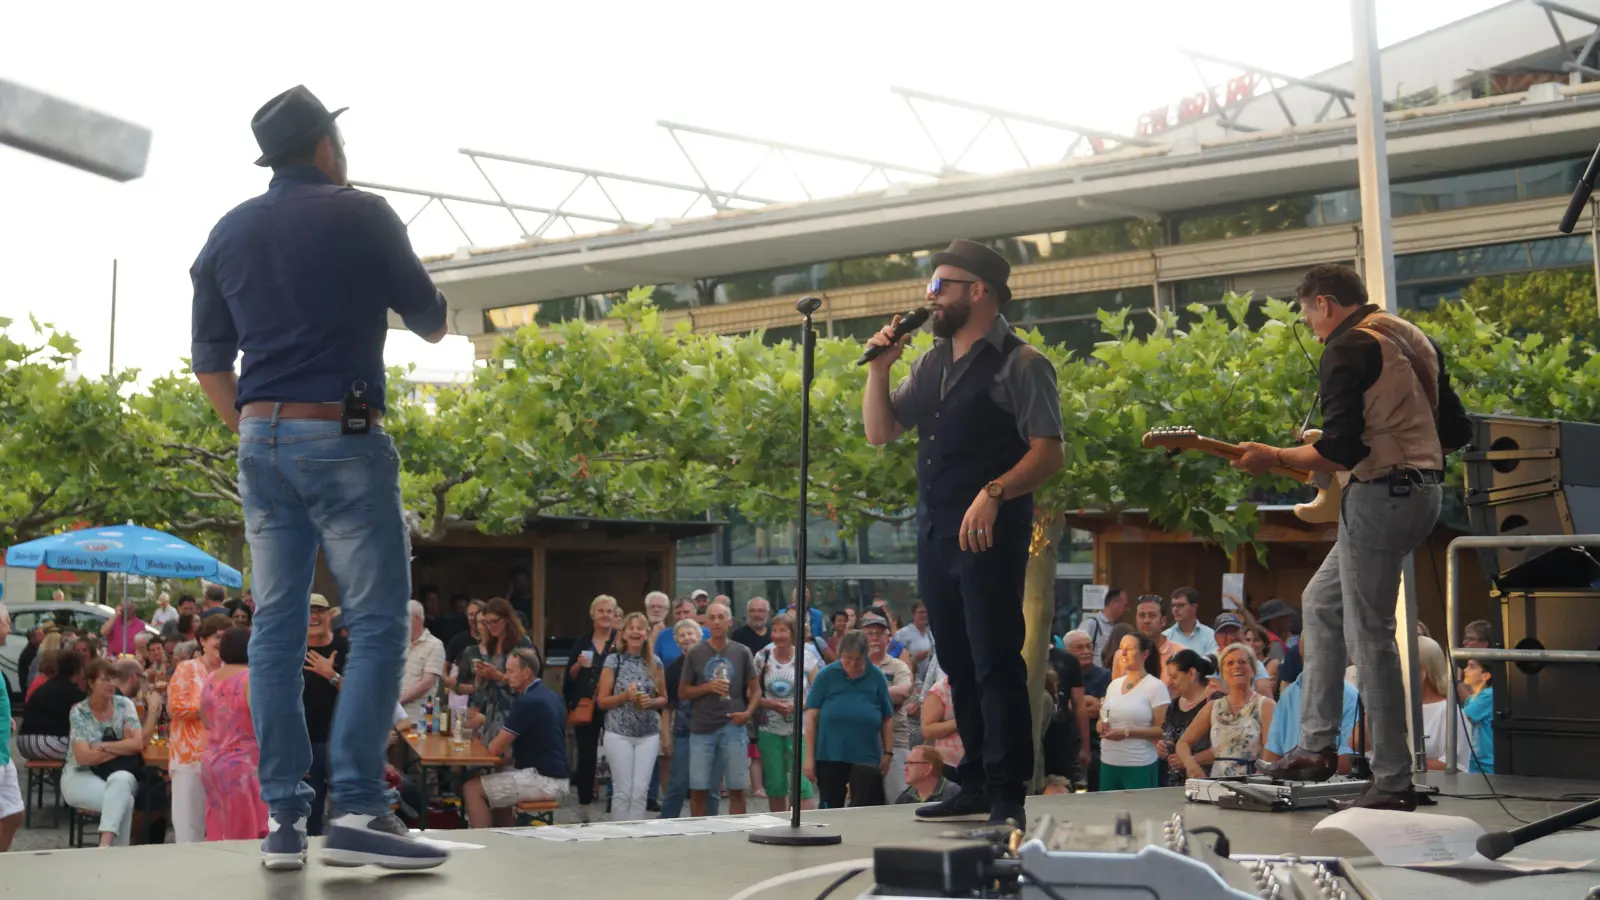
{"points": [[1236, 722], [1131, 717], [1436, 720]]}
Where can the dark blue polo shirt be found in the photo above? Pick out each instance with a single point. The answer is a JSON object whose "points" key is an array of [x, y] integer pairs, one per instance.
{"points": [[538, 719], [301, 280]]}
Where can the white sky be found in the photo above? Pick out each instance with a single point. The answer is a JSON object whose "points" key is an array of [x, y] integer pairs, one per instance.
{"points": [[577, 83]]}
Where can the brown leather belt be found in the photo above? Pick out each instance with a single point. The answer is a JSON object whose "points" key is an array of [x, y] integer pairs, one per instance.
{"points": [[328, 412]]}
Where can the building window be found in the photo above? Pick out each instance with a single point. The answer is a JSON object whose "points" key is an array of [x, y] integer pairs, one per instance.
{"points": [[1423, 280], [1072, 320]]}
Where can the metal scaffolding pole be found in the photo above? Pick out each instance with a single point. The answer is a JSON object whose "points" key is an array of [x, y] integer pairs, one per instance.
{"points": [[1377, 249], [37, 123]]}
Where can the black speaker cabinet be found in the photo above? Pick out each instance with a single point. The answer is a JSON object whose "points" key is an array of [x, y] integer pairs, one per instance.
{"points": [[1547, 716], [1534, 477]]}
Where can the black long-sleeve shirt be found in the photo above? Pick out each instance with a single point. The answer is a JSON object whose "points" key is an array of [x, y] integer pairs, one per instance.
{"points": [[1350, 365]]}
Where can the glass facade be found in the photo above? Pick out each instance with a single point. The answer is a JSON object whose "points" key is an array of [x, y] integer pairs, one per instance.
{"points": [[744, 559], [1423, 280], [1529, 181]]}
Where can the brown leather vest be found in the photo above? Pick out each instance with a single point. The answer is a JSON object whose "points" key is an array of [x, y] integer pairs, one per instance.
{"points": [[1402, 406]]}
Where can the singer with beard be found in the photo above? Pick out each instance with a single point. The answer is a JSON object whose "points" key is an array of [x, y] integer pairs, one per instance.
{"points": [[988, 422]]}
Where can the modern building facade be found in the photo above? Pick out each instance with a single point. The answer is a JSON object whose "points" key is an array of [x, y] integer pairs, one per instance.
{"points": [[1240, 188]]}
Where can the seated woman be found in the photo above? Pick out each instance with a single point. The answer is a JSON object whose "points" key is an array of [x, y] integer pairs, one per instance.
{"points": [[43, 664], [46, 728], [100, 773], [533, 737], [1236, 722]]}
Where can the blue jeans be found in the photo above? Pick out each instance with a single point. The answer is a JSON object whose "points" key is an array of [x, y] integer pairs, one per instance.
{"points": [[304, 486], [317, 777], [678, 781], [720, 759]]}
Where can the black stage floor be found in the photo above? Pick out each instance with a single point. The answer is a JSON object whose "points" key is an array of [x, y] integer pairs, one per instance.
{"points": [[713, 867]]}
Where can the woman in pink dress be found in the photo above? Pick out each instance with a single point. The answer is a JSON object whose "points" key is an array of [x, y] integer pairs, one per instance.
{"points": [[234, 810]]}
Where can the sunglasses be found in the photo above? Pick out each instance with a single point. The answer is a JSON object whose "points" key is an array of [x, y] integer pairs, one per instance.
{"points": [[936, 286]]}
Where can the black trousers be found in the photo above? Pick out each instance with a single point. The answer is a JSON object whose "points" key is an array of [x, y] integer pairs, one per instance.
{"points": [[841, 783], [587, 738], [974, 603]]}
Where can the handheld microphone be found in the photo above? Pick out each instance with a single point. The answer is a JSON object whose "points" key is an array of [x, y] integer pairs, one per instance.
{"points": [[909, 323]]}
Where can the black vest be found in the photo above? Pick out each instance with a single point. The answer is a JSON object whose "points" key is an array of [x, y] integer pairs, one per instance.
{"points": [[965, 442]]}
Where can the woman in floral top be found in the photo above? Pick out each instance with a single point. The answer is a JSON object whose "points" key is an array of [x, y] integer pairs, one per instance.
{"points": [[632, 691], [1236, 721], [105, 732], [187, 742]]}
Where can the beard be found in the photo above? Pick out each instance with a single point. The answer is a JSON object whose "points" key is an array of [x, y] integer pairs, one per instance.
{"points": [[951, 317]]}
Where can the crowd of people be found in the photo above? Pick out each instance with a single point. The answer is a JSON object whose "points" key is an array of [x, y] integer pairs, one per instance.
{"points": [[687, 710]]}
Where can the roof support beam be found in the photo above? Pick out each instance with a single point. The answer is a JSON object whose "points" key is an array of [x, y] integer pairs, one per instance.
{"points": [[35, 122]]}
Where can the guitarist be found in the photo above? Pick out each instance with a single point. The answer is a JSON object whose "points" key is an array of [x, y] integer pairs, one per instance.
{"points": [[1389, 417]]}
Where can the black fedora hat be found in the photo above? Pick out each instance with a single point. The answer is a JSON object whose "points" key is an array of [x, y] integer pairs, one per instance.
{"points": [[981, 261], [286, 122]]}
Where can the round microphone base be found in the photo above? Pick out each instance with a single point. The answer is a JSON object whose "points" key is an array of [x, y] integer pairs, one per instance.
{"points": [[796, 836]]}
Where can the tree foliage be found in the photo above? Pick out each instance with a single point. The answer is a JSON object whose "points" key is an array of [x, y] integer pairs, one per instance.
{"points": [[631, 418], [1552, 303]]}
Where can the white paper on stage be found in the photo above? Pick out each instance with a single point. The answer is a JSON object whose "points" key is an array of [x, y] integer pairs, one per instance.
{"points": [[606, 831], [1426, 841], [1094, 597], [1232, 589]]}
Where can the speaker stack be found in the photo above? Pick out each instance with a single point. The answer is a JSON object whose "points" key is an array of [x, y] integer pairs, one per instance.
{"points": [[1541, 477]]}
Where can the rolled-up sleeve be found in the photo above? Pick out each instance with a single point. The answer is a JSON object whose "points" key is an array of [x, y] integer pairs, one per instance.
{"points": [[396, 267], [906, 398], [213, 340], [1350, 366], [1036, 401]]}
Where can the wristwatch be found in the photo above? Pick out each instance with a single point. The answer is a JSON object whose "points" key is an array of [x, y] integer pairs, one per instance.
{"points": [[336, 679], [996, 490]]}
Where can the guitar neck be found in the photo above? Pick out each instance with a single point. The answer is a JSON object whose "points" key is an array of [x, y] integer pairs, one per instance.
{"points": [[1233, 451]]}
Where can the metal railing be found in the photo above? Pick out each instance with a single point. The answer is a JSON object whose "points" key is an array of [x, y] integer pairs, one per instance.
{"points": [[1452, 615]]}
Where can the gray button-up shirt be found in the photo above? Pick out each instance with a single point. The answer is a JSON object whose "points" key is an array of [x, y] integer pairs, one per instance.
{"points": [[1025, 386]]}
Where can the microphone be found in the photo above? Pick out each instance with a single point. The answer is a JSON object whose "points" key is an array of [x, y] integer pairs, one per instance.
{"points": [[1496, 844], [908, 323], [1580, 194]]}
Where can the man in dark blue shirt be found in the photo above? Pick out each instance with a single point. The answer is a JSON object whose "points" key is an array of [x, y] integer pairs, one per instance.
{"points": [[535, 732], [301, 280]]}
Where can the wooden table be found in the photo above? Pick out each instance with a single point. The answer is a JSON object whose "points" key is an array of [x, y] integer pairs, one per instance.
{"points": [[156, 756], [435, 751]]}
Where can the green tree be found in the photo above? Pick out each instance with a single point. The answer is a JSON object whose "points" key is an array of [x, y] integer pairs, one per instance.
{"points": [[1552, 303], [68, 450]]}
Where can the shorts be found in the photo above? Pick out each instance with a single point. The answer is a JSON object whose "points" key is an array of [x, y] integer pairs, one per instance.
{"points": [[512, 786], [721, 756], [10, 792]]}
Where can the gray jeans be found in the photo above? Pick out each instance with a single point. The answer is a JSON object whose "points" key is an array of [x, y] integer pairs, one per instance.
{"points": [[1349, 609]]}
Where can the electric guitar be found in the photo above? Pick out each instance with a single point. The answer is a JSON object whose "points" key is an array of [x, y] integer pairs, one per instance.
{"points": [[1324, 509]]}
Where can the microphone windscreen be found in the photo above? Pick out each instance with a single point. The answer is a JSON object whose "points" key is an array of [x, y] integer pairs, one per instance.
{"points": [[1496, 844]]}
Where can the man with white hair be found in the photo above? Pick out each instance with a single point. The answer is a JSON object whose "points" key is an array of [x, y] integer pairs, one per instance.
{"points": [[10, 793], [656, 607], [424, 664]]}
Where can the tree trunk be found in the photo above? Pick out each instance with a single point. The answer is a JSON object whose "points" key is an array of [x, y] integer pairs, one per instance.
{"points": [[236, 548], [1038, 613]]}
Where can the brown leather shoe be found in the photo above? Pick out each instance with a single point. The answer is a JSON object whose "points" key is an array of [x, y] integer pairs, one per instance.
{"points": [[1303, 765], [1372, 798]]}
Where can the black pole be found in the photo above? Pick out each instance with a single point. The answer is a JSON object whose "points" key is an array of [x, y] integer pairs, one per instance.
{"points": [[795, 834]]}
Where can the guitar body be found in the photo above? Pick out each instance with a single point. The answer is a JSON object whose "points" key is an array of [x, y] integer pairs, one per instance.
{"points": [[1330, 488], [1324, 509]]}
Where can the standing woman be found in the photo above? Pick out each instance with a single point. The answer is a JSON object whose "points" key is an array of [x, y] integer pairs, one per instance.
{"points": [[187, 742], [234, 810], [775, 669], [589, 654], [481, 667], [849, 728], [1236, 722], [632, 693], [1130, 719], [1188, 680]]}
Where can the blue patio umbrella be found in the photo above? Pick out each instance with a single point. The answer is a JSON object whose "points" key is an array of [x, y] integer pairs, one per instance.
{"points": [[129, 549]]}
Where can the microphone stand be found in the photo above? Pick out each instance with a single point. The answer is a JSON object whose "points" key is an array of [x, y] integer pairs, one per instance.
{"points": [[795, 834]]}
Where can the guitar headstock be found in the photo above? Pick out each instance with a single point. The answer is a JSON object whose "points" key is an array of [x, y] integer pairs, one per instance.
{"points": [[1173, 438]]}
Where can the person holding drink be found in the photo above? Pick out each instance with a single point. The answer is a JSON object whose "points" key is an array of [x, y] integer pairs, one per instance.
{"points": [[719, 680], [632, 693], [589, 654]]}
